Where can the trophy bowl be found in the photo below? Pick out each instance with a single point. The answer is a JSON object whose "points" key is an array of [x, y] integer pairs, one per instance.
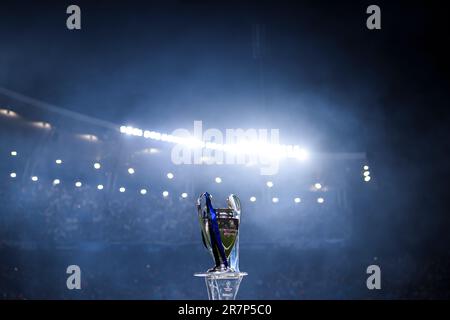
{"points": [[228, 227]]}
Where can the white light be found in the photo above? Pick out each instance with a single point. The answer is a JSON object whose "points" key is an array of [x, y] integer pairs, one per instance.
{"points": [[41, 124], [130, 170], [165, 194], [143, 191], [100, 187], [78, 184], [277, 151], [170, 175], [320, 200], [218, 180], [154, 150], [8, 113], [184, 195], [97, 165], [269, 184], [302, 154], [58, 161], [88, 137], [366, 173], [366, 167], [12, 175], [275, 200], [367, 178], [56, 181], [34, 178], [132, 131], [297, 200], [318, 186], [252, 199], [13, 153], [122, 189]]}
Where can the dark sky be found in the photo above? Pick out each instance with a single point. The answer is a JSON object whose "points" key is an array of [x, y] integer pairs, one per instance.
{"points": [[321, 72], [320, 76]]}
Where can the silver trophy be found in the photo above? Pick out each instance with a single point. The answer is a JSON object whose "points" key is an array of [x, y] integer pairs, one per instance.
{"points": [[220, 235]]}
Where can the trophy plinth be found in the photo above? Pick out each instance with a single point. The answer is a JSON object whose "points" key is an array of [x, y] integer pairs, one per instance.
{"points": [[220, 236], [222, 285]]}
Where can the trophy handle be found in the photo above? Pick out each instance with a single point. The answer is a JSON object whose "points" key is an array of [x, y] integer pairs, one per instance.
{"points": [[204, 241], [202, 214], [235, 204]]}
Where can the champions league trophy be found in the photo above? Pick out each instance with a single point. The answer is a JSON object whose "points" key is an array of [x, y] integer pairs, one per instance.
{"points": [[219, 229]]}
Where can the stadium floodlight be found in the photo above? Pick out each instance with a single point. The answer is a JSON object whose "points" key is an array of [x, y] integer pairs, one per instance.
{"points": [[130, 170], [131, 131], [170, 175], [58, 161], [34, 178], [252, 199], [367, 178], [318, 186], [122, 189], [297, 200], [218, 180], [277, 151], [184, 195], [13, 175], [13, 153], [78, 184], [42, 124], [8, 113], [100, 187], [165, 194], [143, 191], [320, 200], [152, 135], [366, 173], [88, 137], [366, 167], [269, 184], [275, 200], [97, 165], [56, 182]]}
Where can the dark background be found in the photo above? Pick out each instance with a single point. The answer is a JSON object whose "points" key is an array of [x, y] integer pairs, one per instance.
{"points": [[310, 68]]}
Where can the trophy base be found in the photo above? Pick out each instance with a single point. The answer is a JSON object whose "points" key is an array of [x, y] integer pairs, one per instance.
{"points": [[222, 285]]}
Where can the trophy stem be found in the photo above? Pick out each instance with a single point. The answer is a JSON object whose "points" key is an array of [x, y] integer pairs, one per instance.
{"points": [[222, 285]]}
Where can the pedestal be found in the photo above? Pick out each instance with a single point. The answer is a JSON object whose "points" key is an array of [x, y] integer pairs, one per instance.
{"points": [[222, 285]]}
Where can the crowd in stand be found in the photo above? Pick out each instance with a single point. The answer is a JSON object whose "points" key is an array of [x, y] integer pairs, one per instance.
{"points": [[65, 215], [152, 247]]}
